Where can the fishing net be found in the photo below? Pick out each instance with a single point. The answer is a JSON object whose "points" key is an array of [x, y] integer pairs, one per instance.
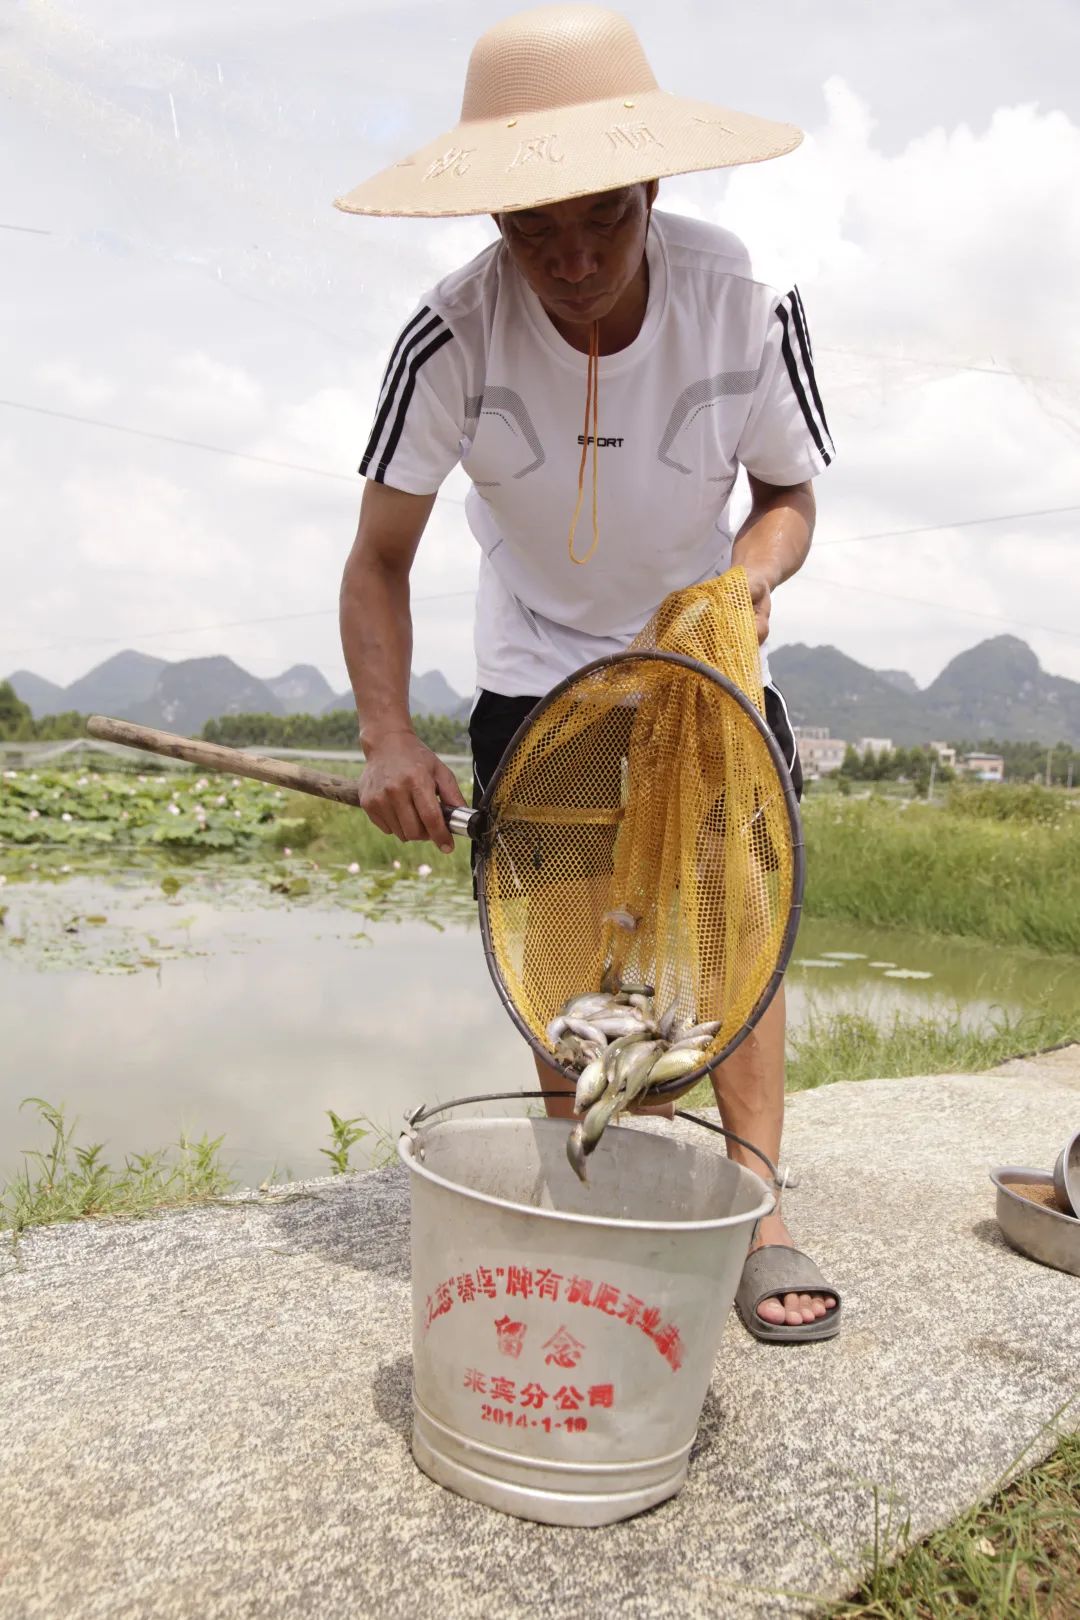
{"points": [[643, 829]]}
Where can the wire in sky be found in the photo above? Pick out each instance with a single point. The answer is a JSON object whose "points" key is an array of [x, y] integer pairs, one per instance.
{"points": [[27, 230], [920, 601], [351, 478], [944, 365], [221, 624], [323, 472], [958, 523], [194, 444]]}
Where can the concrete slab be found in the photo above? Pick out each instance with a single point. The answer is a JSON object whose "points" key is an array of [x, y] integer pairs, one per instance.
{"points": [[206, 1415]]}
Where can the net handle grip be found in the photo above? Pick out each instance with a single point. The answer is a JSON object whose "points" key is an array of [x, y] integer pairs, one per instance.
{"points": [[463, 823]]}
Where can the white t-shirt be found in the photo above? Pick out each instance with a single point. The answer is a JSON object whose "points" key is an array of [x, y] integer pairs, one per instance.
{"points": [[720, 376]]}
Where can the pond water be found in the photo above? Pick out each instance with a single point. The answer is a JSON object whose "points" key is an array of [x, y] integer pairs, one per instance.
{"points": [[229, 1009]]}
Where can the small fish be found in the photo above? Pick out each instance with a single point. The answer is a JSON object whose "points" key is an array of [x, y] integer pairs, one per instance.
{"points": [[621, 1021], [618, 1045], [573, 1053], [637, 990], [586, 1030], [666, 1025], [673, 1064], [710, 1030], [586, 1006], [555, 1030], [592, 1083], [575, 1151], [642, 1004], [621, 918], [634, 1068], [595, 1121], [692, 1043]]}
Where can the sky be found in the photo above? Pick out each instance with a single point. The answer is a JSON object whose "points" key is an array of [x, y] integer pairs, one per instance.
{"points": [[174, 266]]}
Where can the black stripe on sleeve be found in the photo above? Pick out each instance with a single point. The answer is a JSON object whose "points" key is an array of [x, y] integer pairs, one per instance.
{"points": [[418, 359], [405, 346], [405, 330], [800, 310], [796, 383], [802, 332]]}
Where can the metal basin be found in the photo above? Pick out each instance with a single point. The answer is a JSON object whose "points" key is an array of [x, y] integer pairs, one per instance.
{"points": [[1067, 1176], [1037, 1230]]}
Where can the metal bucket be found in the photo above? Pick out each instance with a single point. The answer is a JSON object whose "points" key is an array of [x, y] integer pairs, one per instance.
{"points": [[564, 1335]]}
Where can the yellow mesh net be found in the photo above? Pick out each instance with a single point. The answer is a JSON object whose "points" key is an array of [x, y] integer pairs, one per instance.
{"points": [[641, 831]]}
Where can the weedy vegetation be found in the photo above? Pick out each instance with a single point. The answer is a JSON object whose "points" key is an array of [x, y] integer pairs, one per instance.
{"points": [[961, 869], [65, 1181], [1015, 1557], [97, 819], [835, 1045], [345, 1133], [839, 1045]]}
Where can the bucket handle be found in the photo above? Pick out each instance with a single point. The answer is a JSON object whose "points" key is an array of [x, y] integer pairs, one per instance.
{"points": [[422, 1113]]}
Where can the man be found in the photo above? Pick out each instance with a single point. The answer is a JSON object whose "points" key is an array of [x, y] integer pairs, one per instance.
{"points": [[701, 369]]}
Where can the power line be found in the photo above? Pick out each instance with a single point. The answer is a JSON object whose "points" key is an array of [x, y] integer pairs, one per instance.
{"points": [[193, 444], [822, 348], [223, 624], [322, 472], [959, 523], [325, 472], [921, 601], [945, 365], [169, 438]]}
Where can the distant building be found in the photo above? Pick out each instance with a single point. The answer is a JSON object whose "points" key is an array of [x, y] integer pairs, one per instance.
{"points": [[945, 754], [874, 745], [984, 767], [820, 753]]}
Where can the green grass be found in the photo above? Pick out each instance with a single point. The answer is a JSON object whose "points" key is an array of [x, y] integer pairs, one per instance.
{"points": [[66, 1182], [852, 1046], [1016, 803], [1016, 1557], [336, 835], [943, 871]]}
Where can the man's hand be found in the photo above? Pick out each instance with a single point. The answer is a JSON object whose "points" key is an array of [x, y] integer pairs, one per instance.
{"points": [[403, 788], [761, 597], [773, 542]]}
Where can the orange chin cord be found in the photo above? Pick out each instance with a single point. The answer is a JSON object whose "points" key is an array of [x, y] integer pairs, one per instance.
{"points": [[592, 419]]}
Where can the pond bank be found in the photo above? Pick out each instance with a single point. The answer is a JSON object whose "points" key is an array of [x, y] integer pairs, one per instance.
{"points": [[207, 1413]]}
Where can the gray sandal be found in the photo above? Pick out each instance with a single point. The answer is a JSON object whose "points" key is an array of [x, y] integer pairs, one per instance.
{"points": [[773, 1271]]}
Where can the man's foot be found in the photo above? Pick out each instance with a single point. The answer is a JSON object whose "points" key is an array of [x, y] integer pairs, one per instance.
{"points": [[788, 1310]]}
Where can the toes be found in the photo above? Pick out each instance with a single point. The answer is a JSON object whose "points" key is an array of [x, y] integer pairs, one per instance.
{"points": [[795, 1310]]}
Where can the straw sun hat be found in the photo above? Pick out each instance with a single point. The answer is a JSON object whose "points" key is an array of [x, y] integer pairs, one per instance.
{"points": [[561, 102]]}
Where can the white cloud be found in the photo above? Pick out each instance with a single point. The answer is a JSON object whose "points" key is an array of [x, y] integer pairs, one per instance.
{"points": [[243, 312], [71, 383]]}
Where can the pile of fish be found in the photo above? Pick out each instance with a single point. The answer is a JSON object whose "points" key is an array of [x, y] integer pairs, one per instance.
{"points": [[621, 1046]]}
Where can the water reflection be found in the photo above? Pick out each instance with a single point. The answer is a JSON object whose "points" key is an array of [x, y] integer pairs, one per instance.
{"points": [[255, 1019], [283, 1017]]}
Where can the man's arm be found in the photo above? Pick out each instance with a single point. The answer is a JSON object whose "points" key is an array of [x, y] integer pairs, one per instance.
{"points": [[403, 781], [774, 541]]}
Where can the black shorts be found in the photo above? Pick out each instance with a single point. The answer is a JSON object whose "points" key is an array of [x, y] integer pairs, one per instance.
{"points": [[495, 719]]}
